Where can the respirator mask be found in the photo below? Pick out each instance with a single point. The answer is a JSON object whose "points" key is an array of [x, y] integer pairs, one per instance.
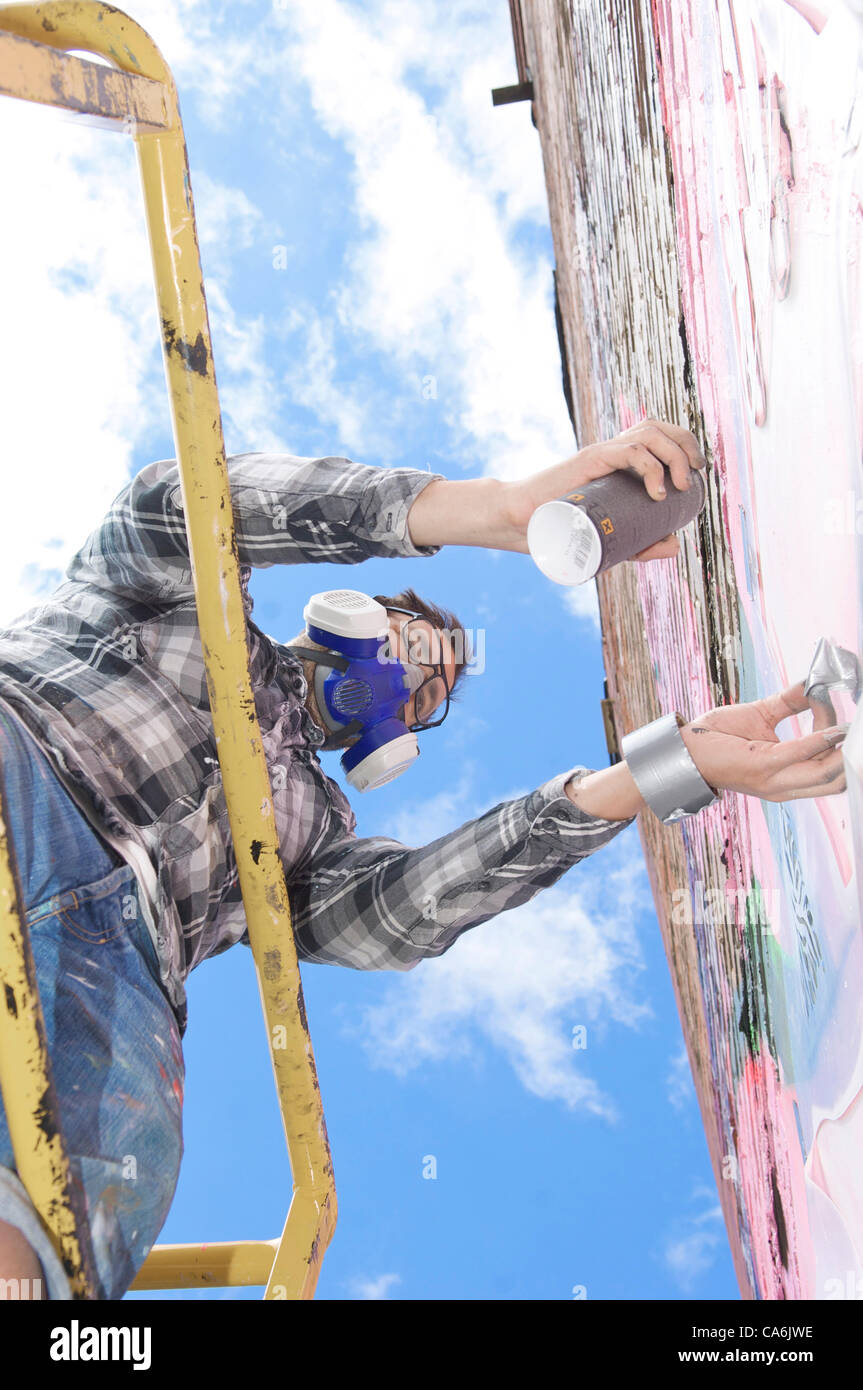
{"points": [[362, 689]]}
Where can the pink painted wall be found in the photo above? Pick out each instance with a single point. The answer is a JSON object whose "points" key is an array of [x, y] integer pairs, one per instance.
{"points": [[708, 271], [762, 103]]}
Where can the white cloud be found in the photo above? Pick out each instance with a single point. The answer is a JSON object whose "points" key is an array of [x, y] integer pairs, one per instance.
{"points": [[678, 1081], [248, 391], [691, 1247], [422, 822], [76, 360], [435, 277], [582, 601], [377, 1288], [80, 360], [219, 54], [351, 410], [524, 980], [227, 222]]}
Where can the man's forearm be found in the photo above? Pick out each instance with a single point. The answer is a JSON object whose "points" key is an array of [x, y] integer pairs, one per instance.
{"points": [[610, 793], [470, 511], [495, 514]]}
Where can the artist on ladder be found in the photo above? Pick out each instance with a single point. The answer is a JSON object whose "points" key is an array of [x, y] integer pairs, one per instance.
{"points": [[118, 820]]}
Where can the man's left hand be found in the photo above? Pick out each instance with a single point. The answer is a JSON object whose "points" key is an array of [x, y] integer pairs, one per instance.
{"points": [[736, 748]]}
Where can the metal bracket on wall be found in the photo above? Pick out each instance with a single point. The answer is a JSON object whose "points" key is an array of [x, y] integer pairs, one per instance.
{"points": [[500, 96], [611, 743]]}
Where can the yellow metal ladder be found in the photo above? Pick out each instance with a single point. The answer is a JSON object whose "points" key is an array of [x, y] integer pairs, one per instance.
{"points": [[138, 95]]}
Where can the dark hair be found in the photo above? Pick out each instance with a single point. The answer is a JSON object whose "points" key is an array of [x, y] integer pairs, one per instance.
{"points": [[439, 618]]}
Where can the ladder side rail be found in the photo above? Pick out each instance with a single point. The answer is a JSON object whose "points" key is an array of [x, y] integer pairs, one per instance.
{"points": [[27, 1086], [205, 487]]}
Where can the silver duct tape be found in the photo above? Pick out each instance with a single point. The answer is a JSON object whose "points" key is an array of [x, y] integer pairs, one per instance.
{"points": [[833, 668], [664, 772]]}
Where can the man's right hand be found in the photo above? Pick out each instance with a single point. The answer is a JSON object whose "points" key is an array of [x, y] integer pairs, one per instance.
{"points": [[735, 748], [494, 514], [664, 455]]}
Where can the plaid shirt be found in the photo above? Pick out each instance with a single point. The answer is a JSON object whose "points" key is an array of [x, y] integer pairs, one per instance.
{"points": [[108, 673]]}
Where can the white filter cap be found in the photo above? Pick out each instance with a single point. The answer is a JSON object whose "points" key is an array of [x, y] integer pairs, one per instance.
{"points": [[385, 763], [564, 543], [347, 613]]}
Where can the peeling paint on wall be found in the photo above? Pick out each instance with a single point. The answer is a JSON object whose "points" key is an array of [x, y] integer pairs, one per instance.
{"points": [[705, 179]]}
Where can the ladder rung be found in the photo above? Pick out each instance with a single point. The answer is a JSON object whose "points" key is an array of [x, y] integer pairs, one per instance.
{"points": [[221, 1264], [37, 72]]}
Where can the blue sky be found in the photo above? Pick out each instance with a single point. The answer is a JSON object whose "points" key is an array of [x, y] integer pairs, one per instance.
{"points": [[378, 269]]}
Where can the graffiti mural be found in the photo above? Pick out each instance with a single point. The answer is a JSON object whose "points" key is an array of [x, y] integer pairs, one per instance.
{"points": [[704, 169]]}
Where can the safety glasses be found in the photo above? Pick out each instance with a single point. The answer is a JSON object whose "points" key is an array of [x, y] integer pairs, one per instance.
{"points": [[418, 638]]}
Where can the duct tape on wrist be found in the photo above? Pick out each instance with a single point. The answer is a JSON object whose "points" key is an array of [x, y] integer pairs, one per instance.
{"points": [[662, 769]]}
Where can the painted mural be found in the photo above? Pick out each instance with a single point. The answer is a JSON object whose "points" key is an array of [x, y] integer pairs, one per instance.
{"points": [[705, 175]]}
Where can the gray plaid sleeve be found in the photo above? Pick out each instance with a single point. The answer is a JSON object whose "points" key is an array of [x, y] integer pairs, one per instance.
{"points": [[375, 904], [287, 511]]}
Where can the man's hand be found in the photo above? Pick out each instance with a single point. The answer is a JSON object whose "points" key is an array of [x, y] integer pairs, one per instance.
{"points": [[735, 748], [486, 512], [662, 454]]}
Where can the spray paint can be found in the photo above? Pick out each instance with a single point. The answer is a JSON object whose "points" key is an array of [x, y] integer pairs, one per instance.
{"points": [[606, 521]]}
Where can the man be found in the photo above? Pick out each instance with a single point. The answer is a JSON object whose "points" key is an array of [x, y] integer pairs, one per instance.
{"points": [[119, 825]]}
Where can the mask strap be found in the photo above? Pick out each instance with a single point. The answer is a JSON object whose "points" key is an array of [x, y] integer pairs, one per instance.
{"points": [[339, 663], [339, 740]]}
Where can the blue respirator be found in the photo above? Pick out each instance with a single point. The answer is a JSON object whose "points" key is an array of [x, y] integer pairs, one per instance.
{"points": [[359, 687]]}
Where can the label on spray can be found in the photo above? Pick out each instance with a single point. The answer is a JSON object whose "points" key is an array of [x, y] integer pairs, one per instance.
{"points": [[606, 521]]}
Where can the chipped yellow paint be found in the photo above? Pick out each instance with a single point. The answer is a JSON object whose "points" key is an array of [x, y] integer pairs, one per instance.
{"points": [[35, 72], [88, 26], [27, 1088], [208, 1266]]}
